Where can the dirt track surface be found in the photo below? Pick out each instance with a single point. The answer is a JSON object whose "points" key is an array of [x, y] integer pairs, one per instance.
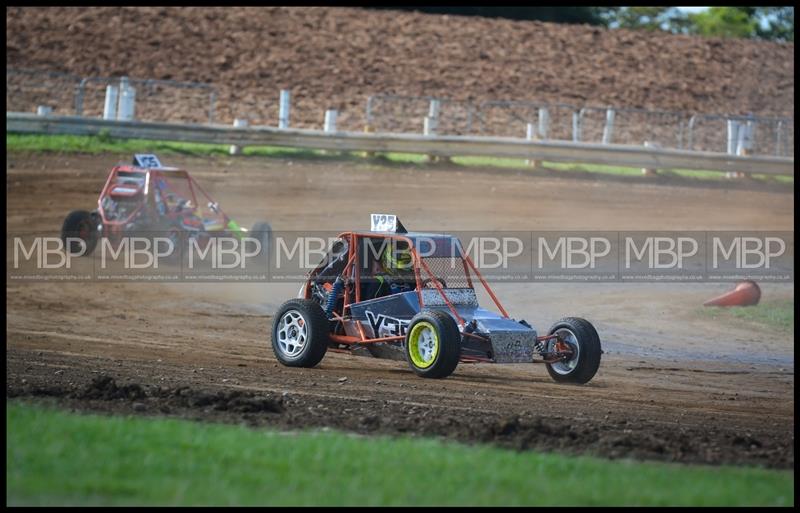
{"points": [[333, 58], [673, 385]]}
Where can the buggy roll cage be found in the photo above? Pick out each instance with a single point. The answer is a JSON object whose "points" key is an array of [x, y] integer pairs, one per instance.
{"points": [[352, 295], [162, 173]]}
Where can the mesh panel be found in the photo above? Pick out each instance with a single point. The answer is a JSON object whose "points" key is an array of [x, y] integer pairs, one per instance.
{"points": [[450, 270]]}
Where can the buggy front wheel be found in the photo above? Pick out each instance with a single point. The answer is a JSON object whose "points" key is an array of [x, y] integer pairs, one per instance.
{"points": [[300, 333], [433, 344], [584, 344]]}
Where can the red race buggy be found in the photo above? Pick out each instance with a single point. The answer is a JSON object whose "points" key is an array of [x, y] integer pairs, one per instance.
{"points": [[148, 197]]}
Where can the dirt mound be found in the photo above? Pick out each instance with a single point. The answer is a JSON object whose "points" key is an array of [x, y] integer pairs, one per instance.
{"points": [[337, 57], [104, 387], [611, 439]]}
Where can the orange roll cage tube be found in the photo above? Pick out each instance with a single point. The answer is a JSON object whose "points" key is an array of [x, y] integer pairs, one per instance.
{"points": [[353, 271]]}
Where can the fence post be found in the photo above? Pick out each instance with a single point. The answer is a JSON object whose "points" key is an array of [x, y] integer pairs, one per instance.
{"points": [[738, 143], [544, 122], [778, 132], [370, 99], [690, 136], [577, 121], [43, 110], [744, 144], [429, 130], [79, 97], [212, 103], [428, 126], [608, 130], [330, 121], [127, 100], [647, 171], [237, 123], [368, 129], [110, 107], [433, 111], [531, 136], [733, 136], [329, 126], [283, 114]]}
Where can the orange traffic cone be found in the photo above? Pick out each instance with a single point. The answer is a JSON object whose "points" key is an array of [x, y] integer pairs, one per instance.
{"points": [[746, 293]]}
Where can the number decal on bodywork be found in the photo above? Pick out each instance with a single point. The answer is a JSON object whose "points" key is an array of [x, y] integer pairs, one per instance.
{"points": [[385, 326]]}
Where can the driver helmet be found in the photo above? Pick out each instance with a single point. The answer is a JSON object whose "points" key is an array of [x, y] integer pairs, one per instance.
{"points": [[396, 258]]}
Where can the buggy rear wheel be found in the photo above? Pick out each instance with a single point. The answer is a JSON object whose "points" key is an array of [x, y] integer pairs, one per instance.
{"points": [[581, 337], [262, 231], [300, 333], [79, 224], [433, 344]]}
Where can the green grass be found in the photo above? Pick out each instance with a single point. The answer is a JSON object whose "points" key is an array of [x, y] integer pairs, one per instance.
{"points": [[59, 458], [776, 313], [105, 144], [567, 168]]}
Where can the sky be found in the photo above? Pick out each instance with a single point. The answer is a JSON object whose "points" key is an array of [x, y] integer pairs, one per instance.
{"points": [[692, 9]]}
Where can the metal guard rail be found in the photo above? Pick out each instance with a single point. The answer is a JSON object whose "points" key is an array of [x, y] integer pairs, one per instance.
{"points": [[445, 146]]}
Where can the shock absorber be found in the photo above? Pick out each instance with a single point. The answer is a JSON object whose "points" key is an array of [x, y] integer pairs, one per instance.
{"points": [[338, 285]]}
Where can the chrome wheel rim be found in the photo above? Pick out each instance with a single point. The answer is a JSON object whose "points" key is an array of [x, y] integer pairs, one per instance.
{"points": [[427, 345], [292, 334], [565, 367]]}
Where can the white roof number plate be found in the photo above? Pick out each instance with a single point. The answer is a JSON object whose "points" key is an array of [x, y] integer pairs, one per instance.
{"points": [[384, 222], [146, 160]]}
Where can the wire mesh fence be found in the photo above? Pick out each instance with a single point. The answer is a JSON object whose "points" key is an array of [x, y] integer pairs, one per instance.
{"points": [[304, 113], [406, 114], [26, 89], [156, 100], [563, 122], [511, 118], [199, 103], [771, 136], [390, 113], [637, 126]]}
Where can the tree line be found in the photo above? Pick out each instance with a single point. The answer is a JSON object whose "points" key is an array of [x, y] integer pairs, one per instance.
{"points": [[770, 23]]}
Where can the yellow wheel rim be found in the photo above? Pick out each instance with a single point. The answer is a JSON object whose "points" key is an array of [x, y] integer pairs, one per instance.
{"points": [[423, 345]]}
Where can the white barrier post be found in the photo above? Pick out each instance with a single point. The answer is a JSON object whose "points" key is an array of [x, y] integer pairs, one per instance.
{"points": [[608, 130], [368, 130], [733, 136], [330, 120], [647, 171], [744, 145], [127, 101], [544, 122], [110, 107], [531, 136], [44, 110], [733, 143], [283, 115], [237, 123], [429, 130], [433, 110], [576, 127], [428, 126], [329, 127]]}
